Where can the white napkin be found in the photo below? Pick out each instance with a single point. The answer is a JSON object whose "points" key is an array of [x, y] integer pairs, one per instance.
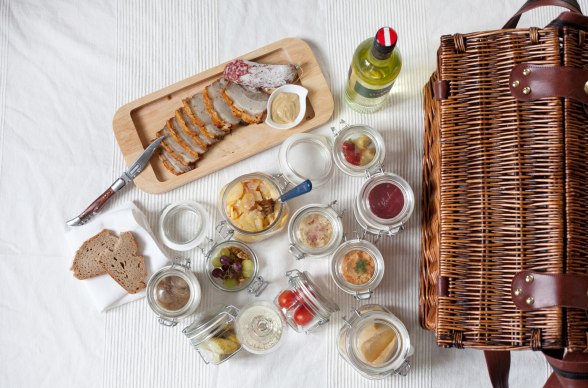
{"points": [[106, 292]]}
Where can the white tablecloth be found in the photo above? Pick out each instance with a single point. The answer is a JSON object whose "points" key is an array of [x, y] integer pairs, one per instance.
{"points": [[66, 66]]}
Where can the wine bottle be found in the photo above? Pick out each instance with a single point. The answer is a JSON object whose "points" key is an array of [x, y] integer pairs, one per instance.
{"points": [[375, 66]]}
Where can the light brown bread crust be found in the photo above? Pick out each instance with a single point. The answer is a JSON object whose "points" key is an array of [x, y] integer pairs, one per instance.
{"points": [[85, 264], [124, 264]]}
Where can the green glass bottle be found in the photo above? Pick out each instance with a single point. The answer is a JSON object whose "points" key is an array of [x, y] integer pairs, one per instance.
{"points": [[375, 66]]}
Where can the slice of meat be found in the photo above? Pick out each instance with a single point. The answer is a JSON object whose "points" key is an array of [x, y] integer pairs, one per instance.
{"points": [[188, 112], [193, 134], [198, 107], [217, 107], [174, 149], [171, 164], [197, 130], [246, 103], [182, 139]]}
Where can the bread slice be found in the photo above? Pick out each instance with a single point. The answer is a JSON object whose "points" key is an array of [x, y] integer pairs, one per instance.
{"points": [[124, 264], [85, 263]]}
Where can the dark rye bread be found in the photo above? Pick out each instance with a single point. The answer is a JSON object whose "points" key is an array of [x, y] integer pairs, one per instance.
{"points": [[85, 264], [124, 264]]}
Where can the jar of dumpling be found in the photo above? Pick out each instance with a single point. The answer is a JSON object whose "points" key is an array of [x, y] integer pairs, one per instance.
{"points": [[213, 335], [250, 207], [173, 292], [375, 342]]}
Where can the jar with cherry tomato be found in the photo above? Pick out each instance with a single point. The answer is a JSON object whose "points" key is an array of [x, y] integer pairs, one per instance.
{"points": [[304, 306]]}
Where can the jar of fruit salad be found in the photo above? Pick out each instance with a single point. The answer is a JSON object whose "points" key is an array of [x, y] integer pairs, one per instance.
{"points": [[385, 201], [357, 267], [305, 307], [250, 207], [315, 230], [173, 292], [375, 342], [213, 334]]}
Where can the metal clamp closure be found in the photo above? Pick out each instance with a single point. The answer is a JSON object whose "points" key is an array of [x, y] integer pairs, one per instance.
{"points": [[167, 322], [538, 290], [297, 253], [352, 318], [257, 286], [363, 295], [403, 369], [532, 82], [224, 231], [342, 125], [186, 263]]}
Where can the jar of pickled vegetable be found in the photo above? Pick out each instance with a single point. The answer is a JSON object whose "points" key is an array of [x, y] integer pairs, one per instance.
{"points": [[375, 342], [249, 204]]}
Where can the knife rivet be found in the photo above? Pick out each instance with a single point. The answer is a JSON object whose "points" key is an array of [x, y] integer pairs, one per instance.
{"points": [[526, 71]]}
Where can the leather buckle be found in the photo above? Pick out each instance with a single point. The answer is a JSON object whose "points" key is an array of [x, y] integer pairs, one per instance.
{"points": [[538, 290]]}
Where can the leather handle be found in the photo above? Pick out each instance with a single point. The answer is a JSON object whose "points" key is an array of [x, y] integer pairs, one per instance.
{"points": [[572, 5], [498, 364], [98, 203]]}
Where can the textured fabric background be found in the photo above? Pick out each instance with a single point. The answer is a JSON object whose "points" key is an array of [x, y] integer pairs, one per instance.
{"points": [[66, 66]]}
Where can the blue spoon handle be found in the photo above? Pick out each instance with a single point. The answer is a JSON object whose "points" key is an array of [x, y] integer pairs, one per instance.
{"points": [[302, 188]]}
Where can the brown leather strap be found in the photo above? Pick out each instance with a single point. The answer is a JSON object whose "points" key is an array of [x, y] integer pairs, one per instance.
{"points": [[532, 82], [572, 20], [572, 5], [569, 370], [537, 290], [441, 89], [498, 364]]}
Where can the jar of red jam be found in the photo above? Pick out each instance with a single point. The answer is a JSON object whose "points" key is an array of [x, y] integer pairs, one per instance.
{"points": [[304, 306], [385, 201]]}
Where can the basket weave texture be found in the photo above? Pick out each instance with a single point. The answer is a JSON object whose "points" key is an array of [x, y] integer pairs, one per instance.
{"points": [[505, 189]]}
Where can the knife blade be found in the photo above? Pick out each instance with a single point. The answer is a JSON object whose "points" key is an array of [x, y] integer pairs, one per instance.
{"points": [[127, 177]]}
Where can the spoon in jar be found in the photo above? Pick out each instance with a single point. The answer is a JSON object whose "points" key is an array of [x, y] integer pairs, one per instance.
{"points": [[268, 205]]}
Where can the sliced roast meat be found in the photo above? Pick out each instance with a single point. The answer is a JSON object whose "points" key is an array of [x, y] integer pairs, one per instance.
{"points": [[174, 149], [172, 165], [187, 129], [246, 103], [198, 109], [196, 129], [182, 139], [219, 110]]}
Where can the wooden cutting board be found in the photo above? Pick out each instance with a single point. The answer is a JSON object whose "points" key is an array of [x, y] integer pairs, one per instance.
{"points": [[136, 123]]}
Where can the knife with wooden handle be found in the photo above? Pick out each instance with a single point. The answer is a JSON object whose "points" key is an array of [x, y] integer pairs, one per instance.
{"points": [[118, 184]]}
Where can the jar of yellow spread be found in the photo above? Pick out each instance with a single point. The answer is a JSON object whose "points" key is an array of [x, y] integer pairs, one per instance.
{"points": [[375, 342], [285, 108]]}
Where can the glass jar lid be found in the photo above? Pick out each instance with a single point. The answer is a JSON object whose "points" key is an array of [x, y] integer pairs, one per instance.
{"points": [[357, 267], [182, 225], [306, 156], [260, 327], [314, 230], [314, 298], [173, 292], [358, 149], [208, 324], [384, 204]]}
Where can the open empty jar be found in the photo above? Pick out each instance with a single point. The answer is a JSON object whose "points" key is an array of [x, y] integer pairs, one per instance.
{"points": [[357, 267], [173, 292], [314, 230], [306, 156], [304, 306], [213, 335], [182, 225], [385, 201]]}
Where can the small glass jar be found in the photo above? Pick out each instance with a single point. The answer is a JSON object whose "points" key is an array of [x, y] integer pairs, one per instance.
{"points": [[314, 230], [304, 306], [213, 335], [306, 156], [182, 225], [252, 226], [375, 342], [357, 267], [173, 292], [385, 201], [260, 327]]}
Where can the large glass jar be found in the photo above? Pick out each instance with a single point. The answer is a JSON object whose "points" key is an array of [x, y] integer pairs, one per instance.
{"points": [[173, 292], [375, 342], [213, 335], [246, 205]]}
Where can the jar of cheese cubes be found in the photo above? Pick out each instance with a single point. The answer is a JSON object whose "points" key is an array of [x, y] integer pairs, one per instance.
{"points": [[250, 206], [375, 342]]}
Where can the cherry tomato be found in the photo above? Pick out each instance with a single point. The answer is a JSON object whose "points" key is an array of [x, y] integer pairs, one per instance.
{"points": [[350, 153], [303, 315], [287, 299]]}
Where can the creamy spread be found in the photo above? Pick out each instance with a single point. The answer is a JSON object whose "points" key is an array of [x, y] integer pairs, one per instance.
{"points": [[172, 293], [358, 267], [315, 231], [377, 343], [285, 108]]}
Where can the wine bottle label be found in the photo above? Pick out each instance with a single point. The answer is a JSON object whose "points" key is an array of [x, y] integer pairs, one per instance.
{"points": [[372, 91]]}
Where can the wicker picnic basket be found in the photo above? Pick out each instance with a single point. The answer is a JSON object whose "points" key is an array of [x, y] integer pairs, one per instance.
{"points": [[505, 191]]}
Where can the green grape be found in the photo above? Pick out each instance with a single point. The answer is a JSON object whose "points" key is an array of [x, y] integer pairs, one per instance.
{"points": [[216, 262], [230, 283], [224, 252], [247, 268]]}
